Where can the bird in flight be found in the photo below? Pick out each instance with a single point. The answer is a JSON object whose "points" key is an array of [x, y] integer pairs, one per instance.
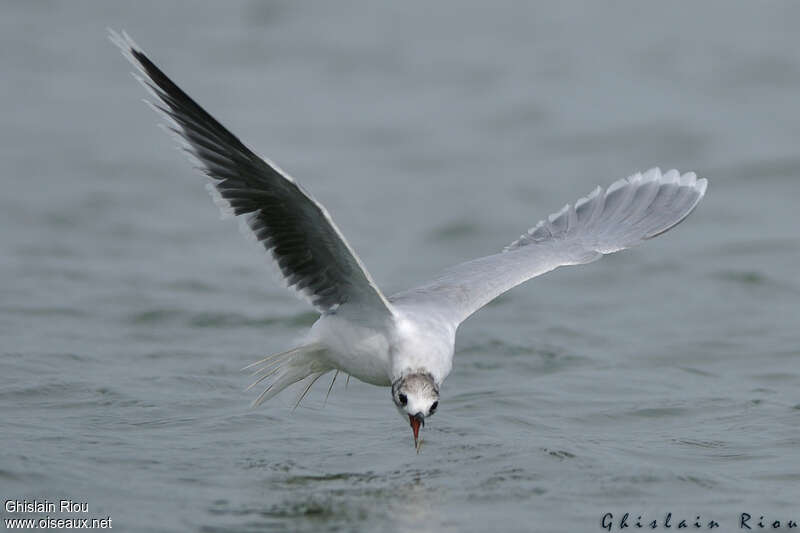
{"points": [[404, 341]]}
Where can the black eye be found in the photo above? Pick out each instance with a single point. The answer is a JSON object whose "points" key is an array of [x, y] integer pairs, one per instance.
{"points": [[403, 398], [434, 405]]}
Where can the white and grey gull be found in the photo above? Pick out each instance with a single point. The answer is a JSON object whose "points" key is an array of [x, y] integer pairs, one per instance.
{"points": [[404, 341]]}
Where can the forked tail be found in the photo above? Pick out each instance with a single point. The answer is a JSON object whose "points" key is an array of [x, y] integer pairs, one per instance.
{"points": [[286, 368]]}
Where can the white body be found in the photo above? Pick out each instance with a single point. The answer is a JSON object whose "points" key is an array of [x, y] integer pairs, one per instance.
{"points": [[405, 343]]}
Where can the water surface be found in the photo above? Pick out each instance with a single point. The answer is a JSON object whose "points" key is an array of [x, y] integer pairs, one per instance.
{"points": [[663, 379]]}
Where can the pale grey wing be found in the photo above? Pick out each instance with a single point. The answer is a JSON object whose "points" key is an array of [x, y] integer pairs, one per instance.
{"points": [[630, 211], [297, 232]]}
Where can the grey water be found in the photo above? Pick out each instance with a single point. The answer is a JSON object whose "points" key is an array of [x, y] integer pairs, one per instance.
{"points": [[661, 379]]}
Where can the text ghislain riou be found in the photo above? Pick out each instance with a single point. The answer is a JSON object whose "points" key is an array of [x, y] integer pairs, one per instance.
{"points": [[744, 521], [45, 506]]}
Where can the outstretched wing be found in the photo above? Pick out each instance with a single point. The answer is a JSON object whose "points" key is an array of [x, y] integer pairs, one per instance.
{"points": [[297, 232], [630, 211]]}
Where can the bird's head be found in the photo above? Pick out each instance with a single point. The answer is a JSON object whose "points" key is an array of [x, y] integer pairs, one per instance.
{"points": [[416, 397]]}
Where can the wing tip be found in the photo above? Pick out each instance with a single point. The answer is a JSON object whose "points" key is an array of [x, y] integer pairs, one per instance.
{"points": [[701, 185], [122, 40], [687, 180], [635, 181], [127, 46]]}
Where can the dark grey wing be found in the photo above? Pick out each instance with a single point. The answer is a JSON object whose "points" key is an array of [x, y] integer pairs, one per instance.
{"points": [[310, 252], [629, 212]]}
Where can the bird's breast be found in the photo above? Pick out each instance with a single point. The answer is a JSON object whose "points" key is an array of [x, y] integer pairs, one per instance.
{"points": [[420, 344]]}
